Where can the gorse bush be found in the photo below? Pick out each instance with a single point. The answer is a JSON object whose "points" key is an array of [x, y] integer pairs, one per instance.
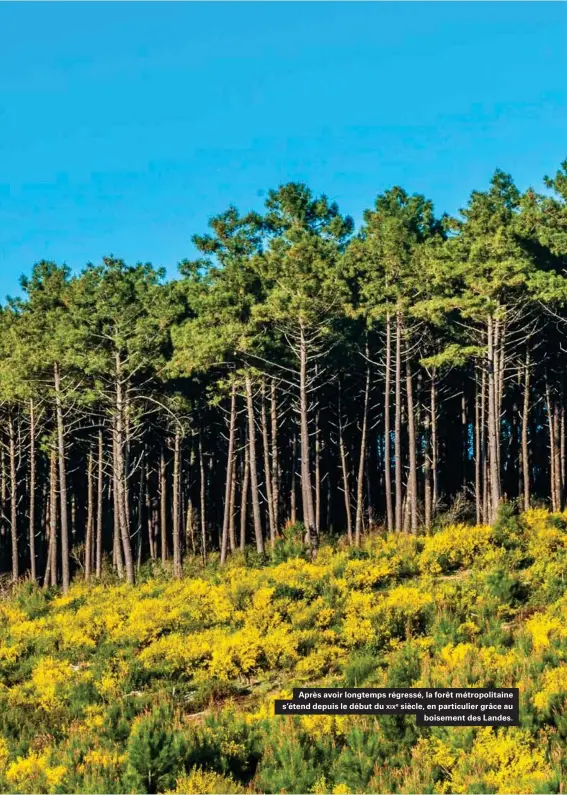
{"points": [[168, 686]]}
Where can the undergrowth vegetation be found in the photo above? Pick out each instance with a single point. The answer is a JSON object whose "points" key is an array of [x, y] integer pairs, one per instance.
{"points": [[168, 686]]}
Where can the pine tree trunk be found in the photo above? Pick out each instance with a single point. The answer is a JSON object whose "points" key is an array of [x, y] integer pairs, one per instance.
{"points": [[90, 517], [267, 469], [477, 457], [412, 447], [203, 500], [398, 425], [244, 497], [232, 507], [120, 478], [317, 474], [13, 499], [483, 452], [257, 517], [228, 503], [53, 516], [306, 487], [32, 493], [557, 452], [99, 499], [275, 460], [525, 426], [493, 420], [163, 506], [552, 478], [177, 567], [361, 460], [65, 569], [292, 494], [387, 428], [344, 467]]}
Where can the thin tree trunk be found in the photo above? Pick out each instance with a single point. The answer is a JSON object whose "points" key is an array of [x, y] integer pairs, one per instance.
{"points": [[552, 480], [90, 517], [306, 488], [121, 479], [275, 460], [177, 569], [232, 507], [244, 497], [398, 424], [267, 470], [317, 474], [228, 507], [99, 497], [65, 569], [253, 468], [33, 566], [361, 460], [412, 447], [116, 542], [13, 499], [344, 467], [493, 420], [53, 515], [525, 427], [292, 495], [163, 506], [484, 461], [203, 500], [557, 453], [387, 428], [477, 457], [434, 472]]}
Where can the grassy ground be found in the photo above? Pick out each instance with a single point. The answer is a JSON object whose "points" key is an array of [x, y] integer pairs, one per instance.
{"points": [[169, 685]]}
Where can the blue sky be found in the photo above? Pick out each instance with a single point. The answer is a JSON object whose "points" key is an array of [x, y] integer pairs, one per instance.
{"points": [[125, 126]]}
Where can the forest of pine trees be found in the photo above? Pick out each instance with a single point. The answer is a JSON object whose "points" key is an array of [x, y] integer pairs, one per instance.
{"points": [[299, 371]]}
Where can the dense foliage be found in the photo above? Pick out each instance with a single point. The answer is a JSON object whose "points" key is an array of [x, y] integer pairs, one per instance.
{"points": [[298, 371], [169, 685]]}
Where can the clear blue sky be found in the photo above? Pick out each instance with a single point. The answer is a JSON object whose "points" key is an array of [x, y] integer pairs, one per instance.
{"points": [[125, 126]]}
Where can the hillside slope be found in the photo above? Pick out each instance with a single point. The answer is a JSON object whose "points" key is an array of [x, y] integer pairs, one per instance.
{"points": [[169, 685]]}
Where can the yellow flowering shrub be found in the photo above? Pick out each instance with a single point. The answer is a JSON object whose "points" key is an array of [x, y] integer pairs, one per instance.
{"points": [[206, 782], [34, 773], [78, 671], [508, 762], [458, 545]]}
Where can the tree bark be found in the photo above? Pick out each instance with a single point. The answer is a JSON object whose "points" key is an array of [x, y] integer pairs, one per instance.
{"points": [[51, 567], [257, 517], [163, 506], [275, 459], [13, 499], [177, 567], [362, 458], [477, 456], [387, 428], [33, 564], [65, 568], [228, 490], [267, 468], [99, 498], [493, 419], [398, 425], [244, 497], [412, 447], [345, 473], [306, 487], [203, 500], [525, 427], [120, 478], [90, 517]]}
